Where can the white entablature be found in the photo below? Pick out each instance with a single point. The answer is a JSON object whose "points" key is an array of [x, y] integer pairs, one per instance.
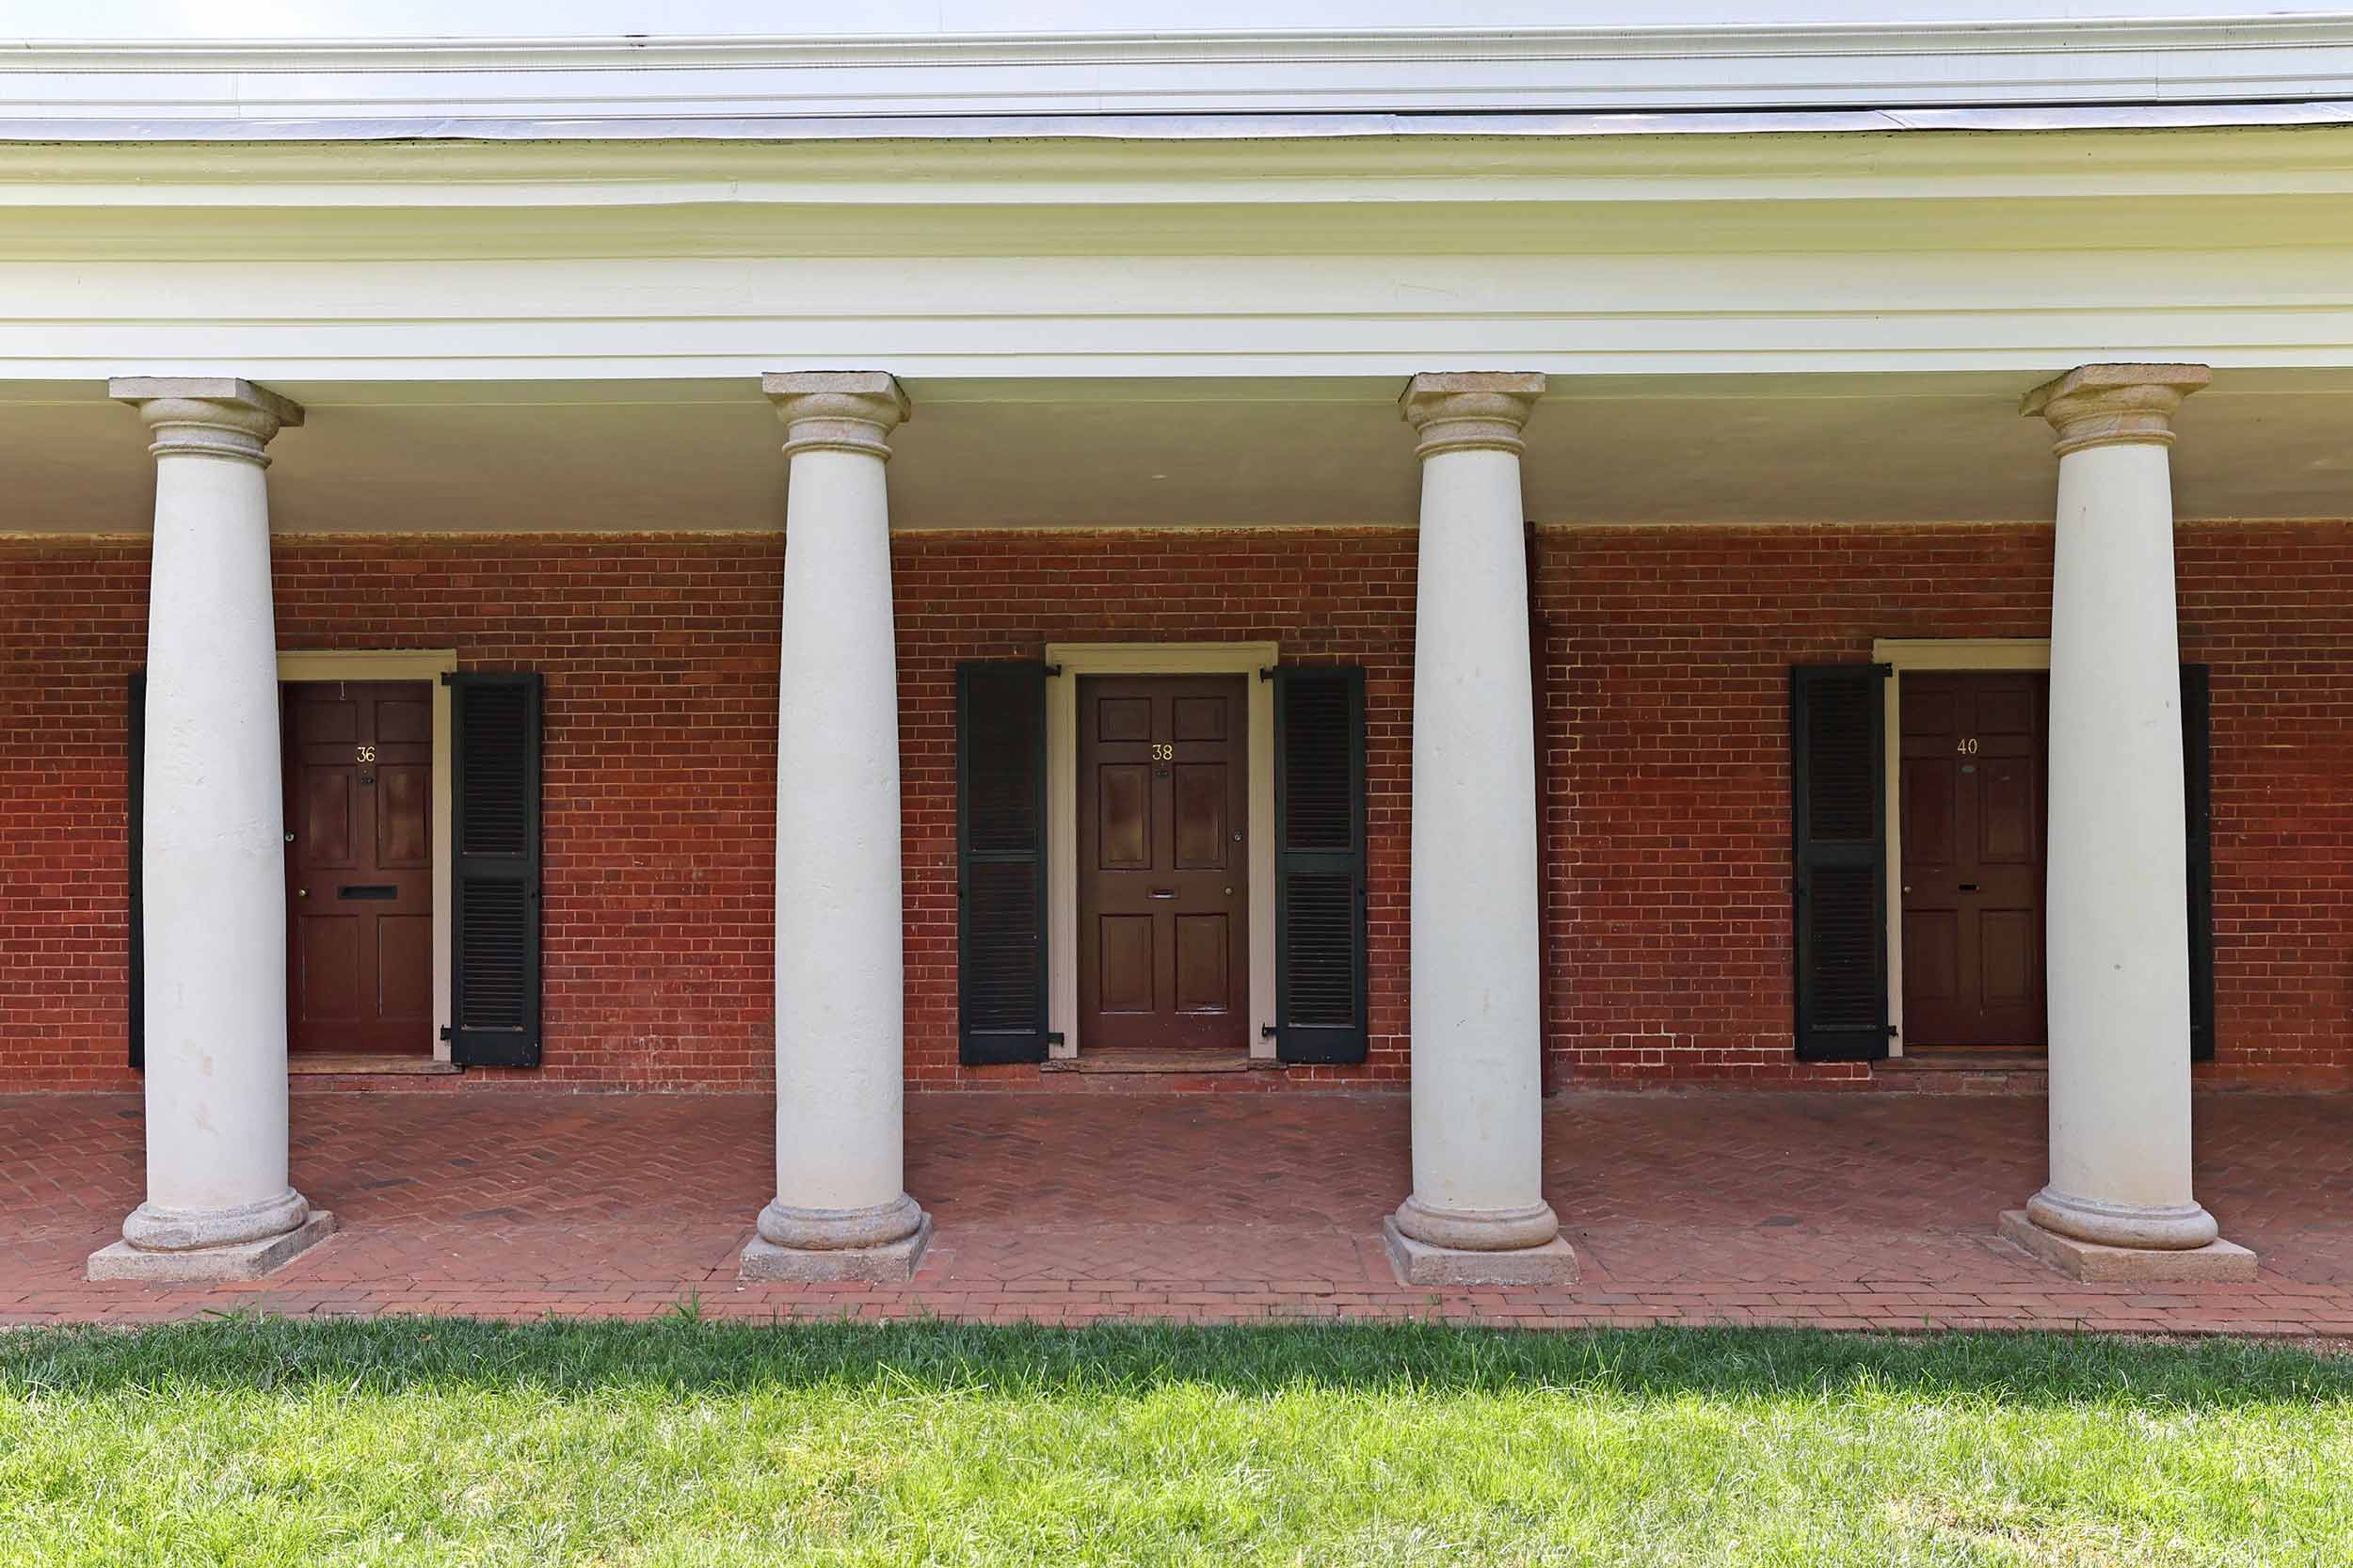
{"points": [[1362, 257]]}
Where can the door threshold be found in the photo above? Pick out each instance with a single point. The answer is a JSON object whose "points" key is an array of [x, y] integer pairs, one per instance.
{"points": [[348, 1064], [1139, 1060], [1966, 1059]]}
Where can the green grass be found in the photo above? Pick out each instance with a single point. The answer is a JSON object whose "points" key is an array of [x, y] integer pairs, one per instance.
{"points": [[262, 1442]]}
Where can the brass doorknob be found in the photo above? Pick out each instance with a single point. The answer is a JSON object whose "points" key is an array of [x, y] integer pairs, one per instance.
{"points": [[302, 892]]}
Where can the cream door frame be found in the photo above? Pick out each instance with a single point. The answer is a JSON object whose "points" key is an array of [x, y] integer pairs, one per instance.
{"points": [[428, 666], [1942, 655], [1073, 660]]}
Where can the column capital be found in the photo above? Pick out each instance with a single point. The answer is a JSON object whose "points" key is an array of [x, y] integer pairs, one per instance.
{"points": [[207, 416], [837, 410], [2112, 405], [1460, 411]]}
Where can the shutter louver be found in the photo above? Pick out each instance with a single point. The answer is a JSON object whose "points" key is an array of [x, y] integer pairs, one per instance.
{"points": [[1000, 863], [2197, 797], [1320, 1013], [494, 990], [1837, 811]]}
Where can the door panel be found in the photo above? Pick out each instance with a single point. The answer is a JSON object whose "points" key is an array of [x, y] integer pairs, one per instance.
{"points": [[1164, 892], [1971, 791], [359, 866]]}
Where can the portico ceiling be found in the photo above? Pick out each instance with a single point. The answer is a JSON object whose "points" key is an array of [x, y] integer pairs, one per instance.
{"points": [[704, 456]]}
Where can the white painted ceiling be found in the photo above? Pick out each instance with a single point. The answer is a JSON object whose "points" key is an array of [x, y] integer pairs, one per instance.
{"points": [[660, 457]]}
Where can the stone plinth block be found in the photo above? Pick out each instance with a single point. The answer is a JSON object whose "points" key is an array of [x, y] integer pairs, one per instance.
{"points": [[1418, 1263], [892, 1263], [209, 1265], [2217, 1262]]}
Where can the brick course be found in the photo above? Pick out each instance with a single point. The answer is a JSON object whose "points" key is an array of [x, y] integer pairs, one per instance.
{"points": [[1666, 811]]}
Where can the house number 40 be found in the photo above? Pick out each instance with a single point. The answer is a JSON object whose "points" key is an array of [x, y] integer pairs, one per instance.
{"points": [[1967, 747]]}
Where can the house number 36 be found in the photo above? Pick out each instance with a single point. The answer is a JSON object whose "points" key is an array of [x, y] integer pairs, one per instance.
{"points": [[363, 754]]}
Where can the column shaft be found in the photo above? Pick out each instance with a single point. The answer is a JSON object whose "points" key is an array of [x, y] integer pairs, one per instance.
{"points": [[2116, 901], [1478, 1210], [213, 871], [842, 1209]]}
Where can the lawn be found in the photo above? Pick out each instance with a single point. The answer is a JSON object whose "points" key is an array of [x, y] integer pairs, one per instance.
{"points": [[263, 1442]]}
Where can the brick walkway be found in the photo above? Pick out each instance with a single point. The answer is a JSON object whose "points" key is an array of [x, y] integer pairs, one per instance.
{"points": [[1703, 1207]]}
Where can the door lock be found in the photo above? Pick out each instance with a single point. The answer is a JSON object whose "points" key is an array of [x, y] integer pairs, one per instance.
{"points": [[1968, 886]]}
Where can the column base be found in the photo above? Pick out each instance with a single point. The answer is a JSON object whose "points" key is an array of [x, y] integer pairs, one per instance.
{"points": [[887, 1263], [243, 1260], [1420, 1263], [2217, 1262]]}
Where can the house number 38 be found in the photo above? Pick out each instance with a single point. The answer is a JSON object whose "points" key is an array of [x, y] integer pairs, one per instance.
{"points": [[1162, 752], [1967, 747]]}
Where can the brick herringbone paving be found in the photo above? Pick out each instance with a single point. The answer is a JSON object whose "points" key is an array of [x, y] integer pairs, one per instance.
{"points": [[1700, 1207]]}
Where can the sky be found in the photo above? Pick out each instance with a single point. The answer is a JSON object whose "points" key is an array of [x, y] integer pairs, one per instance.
{"points": [[131, 20]]}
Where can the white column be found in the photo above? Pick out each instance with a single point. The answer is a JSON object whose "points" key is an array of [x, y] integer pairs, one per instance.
{"points": [[2119, 1203], [1478, 1212], [213, 873], [841, 1210]]}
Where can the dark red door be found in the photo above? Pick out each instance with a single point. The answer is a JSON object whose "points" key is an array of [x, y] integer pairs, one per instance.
{"points": [[359, 866], [1972, 828], [1163, 871]]}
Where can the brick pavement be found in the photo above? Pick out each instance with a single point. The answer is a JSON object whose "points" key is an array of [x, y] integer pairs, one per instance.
{"points": [[1704, 1205]]}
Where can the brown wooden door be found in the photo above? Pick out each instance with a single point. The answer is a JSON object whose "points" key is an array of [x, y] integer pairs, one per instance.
{"points": [[359, 866], [1163, 871], [1973, 831]]}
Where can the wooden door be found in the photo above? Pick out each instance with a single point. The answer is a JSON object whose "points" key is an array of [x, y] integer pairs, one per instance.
{"points": [[1163, 868], [1973, 832], [359, 866]]}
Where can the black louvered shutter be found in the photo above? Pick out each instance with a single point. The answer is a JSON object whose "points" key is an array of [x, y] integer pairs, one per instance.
{"points": [[1320, 864], [494, 926], [135, 1012], [1839, 810], [2198, 796], [1000, 863]]}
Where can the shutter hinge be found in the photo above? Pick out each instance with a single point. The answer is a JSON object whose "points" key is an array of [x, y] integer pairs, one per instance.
{"points": [[445, 678], [1054, 1037], [1053, 672], [1266, 672], [1265, 1032], [444, 1031], [1892, 1032], [1883, 671]]}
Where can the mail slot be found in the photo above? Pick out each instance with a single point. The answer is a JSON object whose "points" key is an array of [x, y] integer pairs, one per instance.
{"points": [[368, 890]]}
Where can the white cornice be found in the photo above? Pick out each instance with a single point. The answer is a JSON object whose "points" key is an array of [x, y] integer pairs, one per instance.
{"points": [[1883, 65]]}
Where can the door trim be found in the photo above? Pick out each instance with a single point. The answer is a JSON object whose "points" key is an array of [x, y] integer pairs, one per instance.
{"points": [[1068, 662], [1943, 656], [429, 665]]}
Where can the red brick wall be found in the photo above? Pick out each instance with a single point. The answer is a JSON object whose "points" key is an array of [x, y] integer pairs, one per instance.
{"points": [[1667, 816], [1668, 813], [659, 655]]}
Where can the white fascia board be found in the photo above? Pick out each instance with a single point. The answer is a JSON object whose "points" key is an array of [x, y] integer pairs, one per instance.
{"points": [[1888, 65], [575, 262]]}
